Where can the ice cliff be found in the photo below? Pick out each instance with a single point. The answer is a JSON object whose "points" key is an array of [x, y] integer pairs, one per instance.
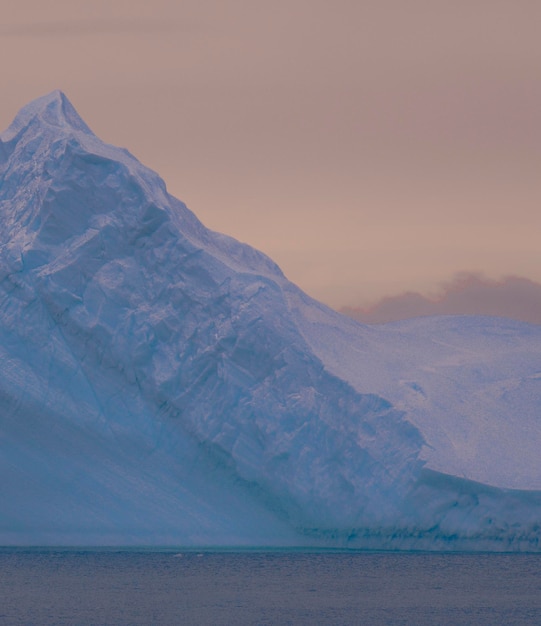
{"points": [[164, 384]]}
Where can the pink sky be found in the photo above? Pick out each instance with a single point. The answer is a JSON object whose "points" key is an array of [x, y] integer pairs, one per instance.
{"points": [[370, 148]]}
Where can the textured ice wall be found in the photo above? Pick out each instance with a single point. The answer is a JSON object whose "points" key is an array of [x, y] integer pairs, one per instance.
{"points": [[166, 384]]}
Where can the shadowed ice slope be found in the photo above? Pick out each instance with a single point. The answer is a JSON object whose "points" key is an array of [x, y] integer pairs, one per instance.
{"points": [[162, 383]]}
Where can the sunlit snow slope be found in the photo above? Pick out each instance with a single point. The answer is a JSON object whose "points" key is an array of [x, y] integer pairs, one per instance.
{"points": [[164, 384]]}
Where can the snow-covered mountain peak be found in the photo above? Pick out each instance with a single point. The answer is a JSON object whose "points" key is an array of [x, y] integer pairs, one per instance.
{"points": [[45, 113], [48, 128], [60, 184]]}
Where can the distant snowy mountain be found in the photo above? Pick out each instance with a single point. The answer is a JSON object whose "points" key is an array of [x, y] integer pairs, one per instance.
{"points": [[164, 384]]}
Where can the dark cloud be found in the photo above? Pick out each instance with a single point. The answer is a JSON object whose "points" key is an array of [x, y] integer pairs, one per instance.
{"points": [[467, 294], [80, 27]]}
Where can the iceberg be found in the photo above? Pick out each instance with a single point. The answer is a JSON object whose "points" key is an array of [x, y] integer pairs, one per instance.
{"points": [[163, 384]]}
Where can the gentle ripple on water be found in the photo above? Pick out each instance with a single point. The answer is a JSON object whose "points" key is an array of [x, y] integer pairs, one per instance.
{"points": [[96, 587]]}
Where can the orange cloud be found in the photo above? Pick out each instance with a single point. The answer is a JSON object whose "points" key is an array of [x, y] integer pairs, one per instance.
{"points": [[467, 294]]}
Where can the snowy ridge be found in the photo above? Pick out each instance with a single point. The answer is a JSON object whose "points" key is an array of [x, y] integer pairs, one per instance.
{"points": [[162, 383]]}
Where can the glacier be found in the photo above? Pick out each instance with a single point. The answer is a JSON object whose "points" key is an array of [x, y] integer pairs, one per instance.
{"points": [[163, 384]]}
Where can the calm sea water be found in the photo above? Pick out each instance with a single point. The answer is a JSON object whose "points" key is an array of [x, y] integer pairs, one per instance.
{"points": [[140, 587]]}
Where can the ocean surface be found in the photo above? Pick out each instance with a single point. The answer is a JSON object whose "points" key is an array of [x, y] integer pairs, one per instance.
{"points": [[106, 586]]}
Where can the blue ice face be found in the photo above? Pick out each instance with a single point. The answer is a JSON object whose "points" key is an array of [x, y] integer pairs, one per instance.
{"points": [[162, 383]]}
